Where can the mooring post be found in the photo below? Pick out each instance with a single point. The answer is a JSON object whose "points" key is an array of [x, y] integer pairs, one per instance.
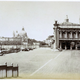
{"points": [[12, 69], [17, 71], [6, 68]]}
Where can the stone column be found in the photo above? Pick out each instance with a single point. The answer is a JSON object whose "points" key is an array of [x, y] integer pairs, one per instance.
{"points": [[79, 35], [65, 47], [55, 44], [60, 34], [65, 34], [76, 35], [56, 35], [71, 35]]}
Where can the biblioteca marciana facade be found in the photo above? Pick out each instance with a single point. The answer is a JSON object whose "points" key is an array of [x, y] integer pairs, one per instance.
{"points": [[66, 35]]}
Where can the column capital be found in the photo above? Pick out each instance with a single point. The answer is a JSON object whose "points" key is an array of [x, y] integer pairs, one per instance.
{"points": [[74, 31], [63, 30]]}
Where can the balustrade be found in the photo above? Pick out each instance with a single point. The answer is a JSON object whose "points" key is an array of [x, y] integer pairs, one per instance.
{"points": [[65, 34], [69, 35], [60, 34], [76, 34]]}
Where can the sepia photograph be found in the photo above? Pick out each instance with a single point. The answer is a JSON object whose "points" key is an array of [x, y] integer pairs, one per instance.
{"points": [[39, 39]]}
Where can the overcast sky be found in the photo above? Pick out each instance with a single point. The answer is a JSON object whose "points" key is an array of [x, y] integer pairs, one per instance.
{"points": [[36, 17]]}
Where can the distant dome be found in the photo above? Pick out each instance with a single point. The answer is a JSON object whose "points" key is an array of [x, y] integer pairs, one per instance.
{"points": [[23, 33]]}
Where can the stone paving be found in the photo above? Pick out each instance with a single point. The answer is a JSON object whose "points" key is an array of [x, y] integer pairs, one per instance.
{"points": [[45, 63]]}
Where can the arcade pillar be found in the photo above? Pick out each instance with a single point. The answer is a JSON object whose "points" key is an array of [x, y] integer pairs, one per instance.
{"points": [[60, 45], [70, 47], [65, 47]]}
